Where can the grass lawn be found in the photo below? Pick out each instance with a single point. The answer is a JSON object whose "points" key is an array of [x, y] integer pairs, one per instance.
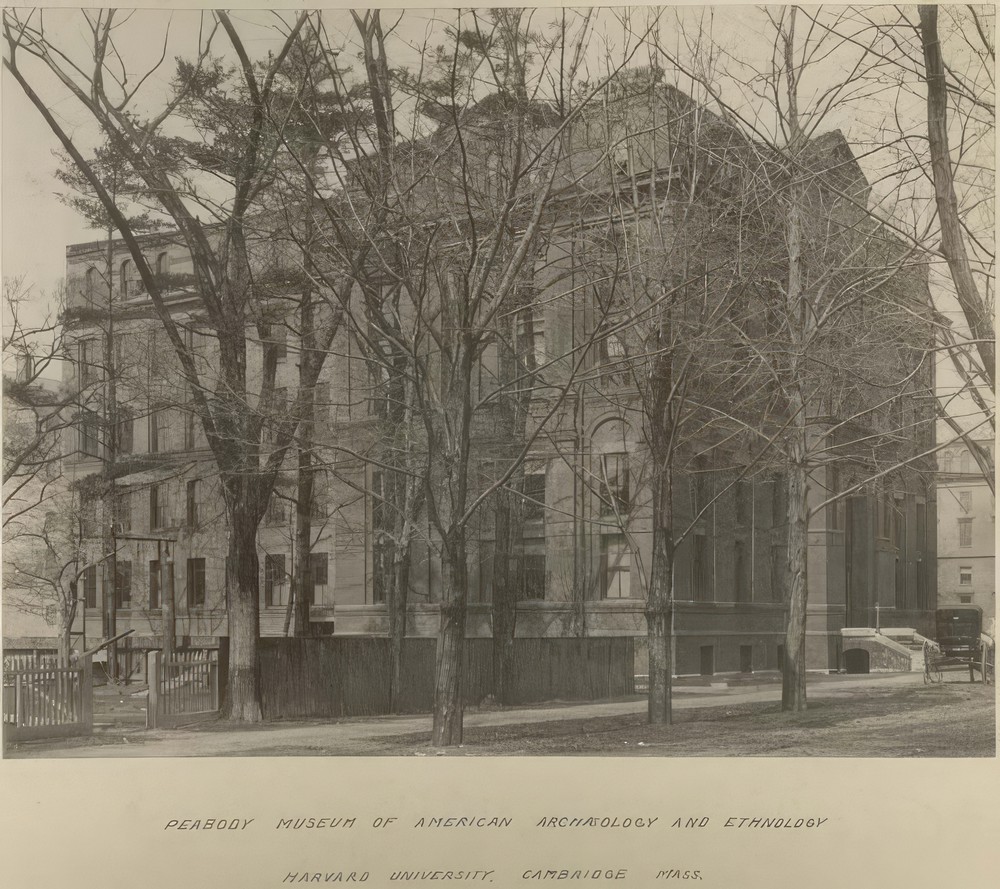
{"points": [[954, 719]]}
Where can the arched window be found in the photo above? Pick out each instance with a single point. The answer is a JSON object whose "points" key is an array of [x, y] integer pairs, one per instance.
{"points": [[125, 277], [965, 461], [90, 280], [947, 460], [162, 263]]}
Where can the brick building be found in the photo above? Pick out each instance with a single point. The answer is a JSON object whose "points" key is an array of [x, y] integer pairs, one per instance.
{"points": [[871, 556]]}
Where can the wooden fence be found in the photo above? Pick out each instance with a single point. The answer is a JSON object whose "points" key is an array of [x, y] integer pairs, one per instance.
{"points": [[184, 689], [48, 702], [344, 676]]}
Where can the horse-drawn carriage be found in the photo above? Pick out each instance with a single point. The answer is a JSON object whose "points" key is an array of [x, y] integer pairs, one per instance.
{"points": [[961, 644]]}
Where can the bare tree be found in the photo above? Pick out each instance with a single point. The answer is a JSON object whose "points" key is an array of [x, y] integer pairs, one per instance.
{"points": [[234, 149]]}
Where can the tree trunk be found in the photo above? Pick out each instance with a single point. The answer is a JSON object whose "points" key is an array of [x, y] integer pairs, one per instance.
{"points": [[243, 691], [396, 600], [506, 582], [952, 242], [302, 587], [793, 680], [660, 601], [447, 728]]}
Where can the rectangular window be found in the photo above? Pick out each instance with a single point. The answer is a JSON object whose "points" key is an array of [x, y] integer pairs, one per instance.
{"points": [[123, 584], [319, 565], [192, 504], [126, 434], [89, 524], [534, 495], [900, 584], [195, 583], [274, 579], [276, 340], [90, 587], [155, 582], [158, 432], [89, 434], [965, 600], [123, 513], [965, 532], [189, 431], [740, 497], [965, 500], [921, 529], [616, 482], [965, 575], [276, 511], [86, 371], [699, 568], [778, 571], [740, 571], [531, 338], [157, 507], [616, 567], [534, 576]]}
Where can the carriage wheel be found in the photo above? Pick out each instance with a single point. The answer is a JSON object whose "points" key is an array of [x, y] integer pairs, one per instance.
{"points": [[987, 664]]}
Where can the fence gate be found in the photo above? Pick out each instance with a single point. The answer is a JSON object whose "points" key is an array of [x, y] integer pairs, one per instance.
{"points": [[183, 689], [48, 702]]}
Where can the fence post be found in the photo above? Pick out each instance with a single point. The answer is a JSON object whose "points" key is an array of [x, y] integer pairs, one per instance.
{"points": [[18, 699], [87, 692], [153, 680]]}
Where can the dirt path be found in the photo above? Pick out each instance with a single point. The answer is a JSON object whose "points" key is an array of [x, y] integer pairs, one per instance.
{"points": [[559, 728]]}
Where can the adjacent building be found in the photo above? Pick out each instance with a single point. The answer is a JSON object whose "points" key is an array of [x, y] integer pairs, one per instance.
{"points": [[966, 531]]}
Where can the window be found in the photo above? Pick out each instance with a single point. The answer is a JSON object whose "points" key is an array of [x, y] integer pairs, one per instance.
{"points": [[965, 575], [740, 571], [274, 579], [965, 462], [699, 568], [89, 440], [123, 512], [965, 532], [834, 510], [126, 433], [90, 281], [900, 584], [534, 576], [531, 338], [86, 371], [195, 582], [89, 525], [534, 495], [128, 280], [155, 580], [275, 510], [191, 513], [611, 350], [123, 584], [616, 567], [157, 507], [947, 462], [778, 569], [162, 263], [158, 424], [189, 431], [740, 492], [965, 500], [275, 341], [615, 477], [90, 586], [319, 567], [965, 600], [921, 529]]}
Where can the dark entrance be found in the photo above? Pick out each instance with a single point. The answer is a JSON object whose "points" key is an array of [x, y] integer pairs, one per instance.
{"points": [[707, 660], [746, 658], [857, 660]]}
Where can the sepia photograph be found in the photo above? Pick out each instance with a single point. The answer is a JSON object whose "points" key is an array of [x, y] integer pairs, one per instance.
{"points": [[499, 382]]}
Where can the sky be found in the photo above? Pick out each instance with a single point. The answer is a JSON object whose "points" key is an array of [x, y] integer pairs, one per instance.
{"points": [[37, 227]]}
